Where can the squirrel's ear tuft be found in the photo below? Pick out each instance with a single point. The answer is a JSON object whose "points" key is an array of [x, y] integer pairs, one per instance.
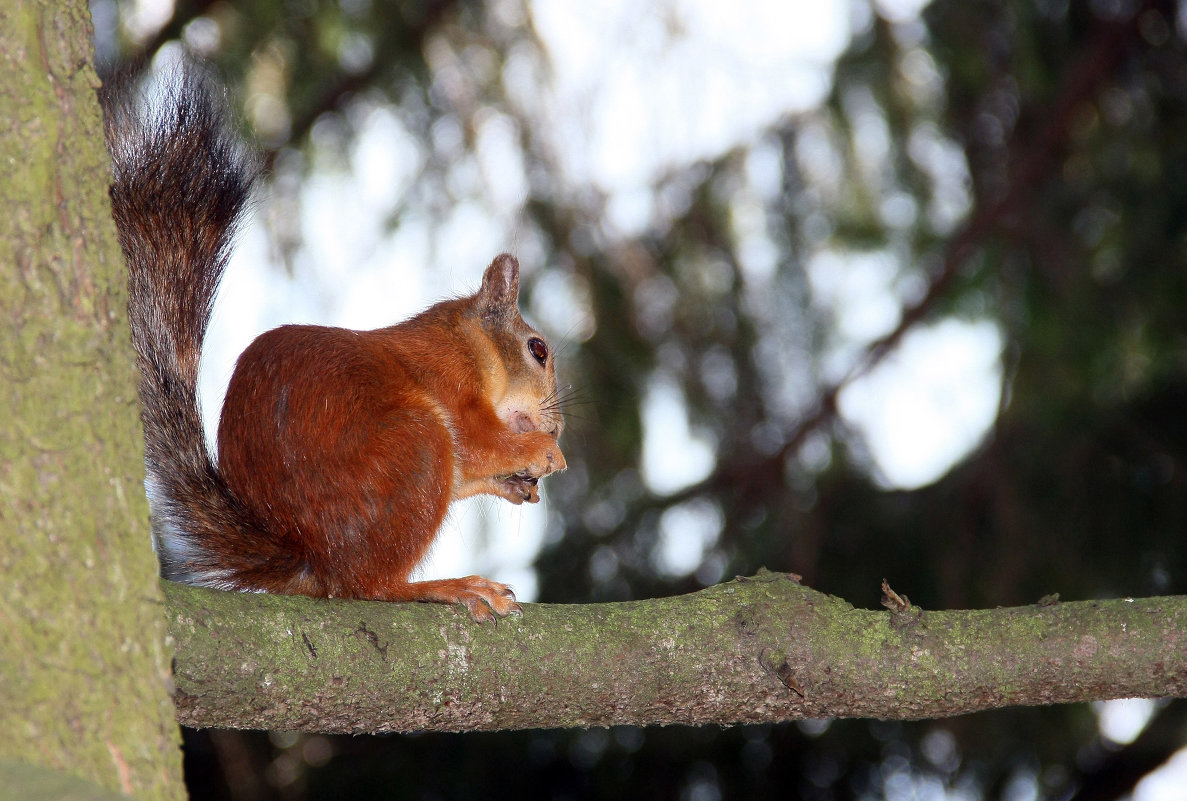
{"points": [[500, 285]]}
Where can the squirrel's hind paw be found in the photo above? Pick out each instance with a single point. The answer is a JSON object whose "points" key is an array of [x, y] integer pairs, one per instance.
{"points": [[488, 600], [484, 599]]}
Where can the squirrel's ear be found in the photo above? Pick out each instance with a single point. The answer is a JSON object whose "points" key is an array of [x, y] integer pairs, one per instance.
{"points": [[500, 284]]}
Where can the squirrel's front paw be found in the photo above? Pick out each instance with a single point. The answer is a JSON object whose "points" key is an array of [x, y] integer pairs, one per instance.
{"points": [[522, 485], [519, 488], [545, 460]]}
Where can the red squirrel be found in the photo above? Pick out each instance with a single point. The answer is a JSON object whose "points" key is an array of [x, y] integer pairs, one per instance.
{"points": [[339, 451]]}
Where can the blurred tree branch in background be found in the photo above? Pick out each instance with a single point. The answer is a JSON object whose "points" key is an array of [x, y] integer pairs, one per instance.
{"points": [[1033, 159]]}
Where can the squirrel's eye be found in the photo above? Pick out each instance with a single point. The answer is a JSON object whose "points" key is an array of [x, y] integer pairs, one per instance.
{"points": [[538, 349]]}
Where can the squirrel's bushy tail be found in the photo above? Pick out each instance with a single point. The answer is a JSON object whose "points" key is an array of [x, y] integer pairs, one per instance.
{"points": [[180, 185]]}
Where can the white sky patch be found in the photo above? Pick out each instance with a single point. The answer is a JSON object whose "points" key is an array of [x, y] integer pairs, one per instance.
{"points": [[673, 457], [929, 403], [686, 532], [1166, 783], [501, 160], [146, 17], [385, 160], [900, 10], [1122, 720]]}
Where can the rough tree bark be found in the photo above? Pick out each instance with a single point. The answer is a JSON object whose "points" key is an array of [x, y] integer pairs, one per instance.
{"points": [[83, 660], [757, 649]]}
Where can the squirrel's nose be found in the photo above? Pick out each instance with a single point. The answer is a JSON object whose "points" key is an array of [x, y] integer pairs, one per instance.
{"points": [[521, 422]]}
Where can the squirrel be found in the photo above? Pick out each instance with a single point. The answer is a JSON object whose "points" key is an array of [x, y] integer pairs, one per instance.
{"points": [[339, 451]]}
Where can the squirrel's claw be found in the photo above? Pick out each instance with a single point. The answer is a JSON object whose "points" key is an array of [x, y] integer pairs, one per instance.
{"points": [[488, 600]]}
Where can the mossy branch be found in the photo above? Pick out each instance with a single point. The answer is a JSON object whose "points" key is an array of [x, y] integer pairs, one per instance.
{"points": [[754, 649]]}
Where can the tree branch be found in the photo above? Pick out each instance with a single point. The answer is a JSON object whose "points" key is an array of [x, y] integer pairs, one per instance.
{"points": [[756, 649]]}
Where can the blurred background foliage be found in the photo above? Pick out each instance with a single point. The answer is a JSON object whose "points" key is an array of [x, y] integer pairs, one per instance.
{"points": [[1021, 165]]}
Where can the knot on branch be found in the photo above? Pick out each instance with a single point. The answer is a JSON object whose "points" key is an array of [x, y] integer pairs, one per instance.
{"points": [[902, 614]]}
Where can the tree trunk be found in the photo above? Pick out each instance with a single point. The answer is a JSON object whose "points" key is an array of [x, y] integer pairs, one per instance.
{"points": [[84, 663], [751, 650]]}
